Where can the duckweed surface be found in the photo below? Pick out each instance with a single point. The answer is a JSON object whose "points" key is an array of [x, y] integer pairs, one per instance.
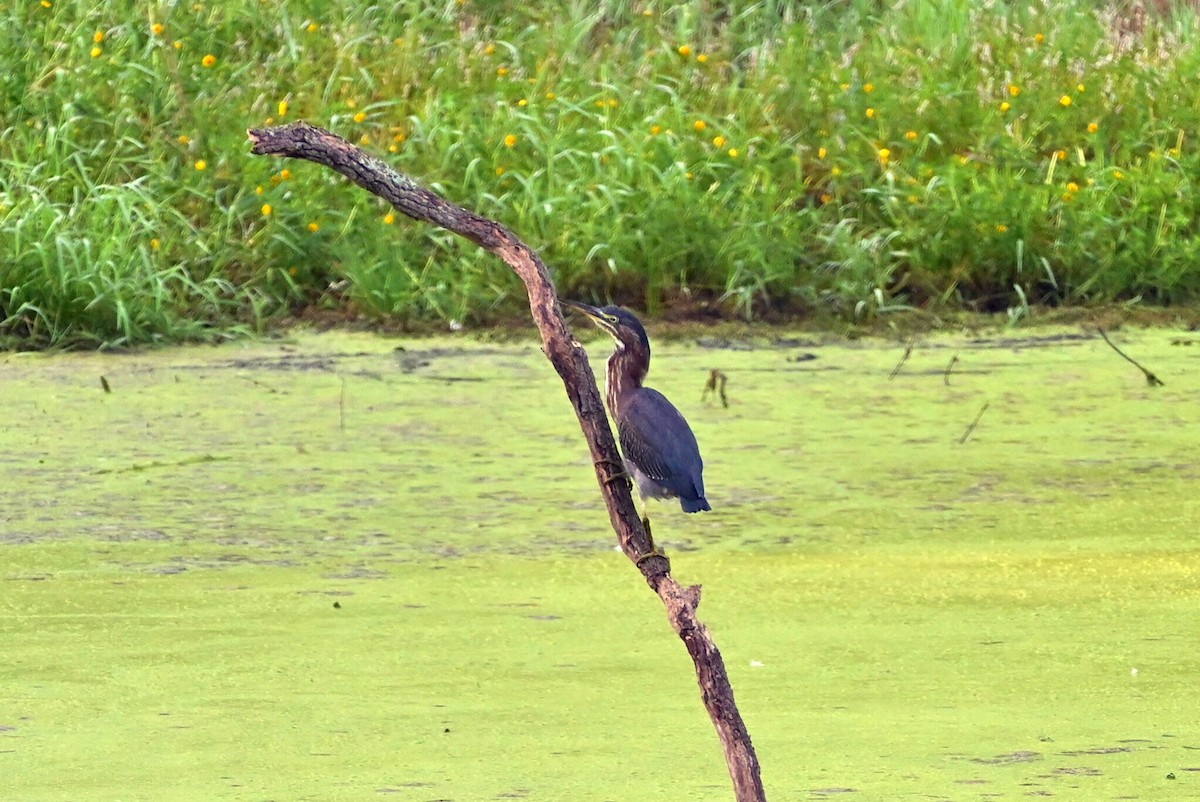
{"points": [[343, 567]]}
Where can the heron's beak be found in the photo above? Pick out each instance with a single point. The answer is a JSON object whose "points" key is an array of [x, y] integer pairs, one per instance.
{"points": [[590, 311], [593, 313]]}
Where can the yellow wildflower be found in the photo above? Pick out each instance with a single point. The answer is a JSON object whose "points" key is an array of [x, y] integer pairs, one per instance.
{"points": [[910, 135], [490, 49], [822, 153], [655, 130], [98, 37], [551, 96], [685, 50], [868, 88], [522, 102], [157, 29], [201, 165], [285, 174], [209, 60], [312, 27], [314, 227], [1093, 128], [1039, 38], [702, 58], [97, 52], [155, 244], [360, 117], [184, 139], [733, 153], [1117, 174], [258, 190], [283, 108], [700, 125], [719, 141], [835, 172], [1001, 228], [178, 45], [502, 71], [266, 210], [1072, 186], [1005, 106], [1014, 90], [510, 140], [1064, 101], [1081, 88], [389, 218], [884, 155], [499, 171]]}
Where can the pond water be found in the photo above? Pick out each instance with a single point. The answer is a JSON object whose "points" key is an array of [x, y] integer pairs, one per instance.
{"points": [[344, 566]]}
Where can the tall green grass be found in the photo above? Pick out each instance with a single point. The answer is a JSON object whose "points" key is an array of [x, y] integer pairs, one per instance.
{"points": [[843, 158]]}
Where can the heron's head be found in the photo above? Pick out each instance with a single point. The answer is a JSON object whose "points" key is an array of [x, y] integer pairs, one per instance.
{"points": [[620, 323]]}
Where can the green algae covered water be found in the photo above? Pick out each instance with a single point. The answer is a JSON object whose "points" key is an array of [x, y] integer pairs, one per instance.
{"points": [[344, 567]]}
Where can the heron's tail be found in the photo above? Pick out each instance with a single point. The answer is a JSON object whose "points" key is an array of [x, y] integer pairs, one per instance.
{"points": [[694, 504]]}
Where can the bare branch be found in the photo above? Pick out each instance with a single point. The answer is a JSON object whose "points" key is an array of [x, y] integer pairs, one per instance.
{"points": [[300, 140]]}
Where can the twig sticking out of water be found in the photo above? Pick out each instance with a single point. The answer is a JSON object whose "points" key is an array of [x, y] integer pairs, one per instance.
{"points": [[342, 406], [974, 423], [946, 375], [1151, 379], [903, 359], [716, 386]]}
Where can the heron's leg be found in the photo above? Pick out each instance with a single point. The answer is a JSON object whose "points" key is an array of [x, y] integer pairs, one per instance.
{"points": [[654, 550], [620, 473]]}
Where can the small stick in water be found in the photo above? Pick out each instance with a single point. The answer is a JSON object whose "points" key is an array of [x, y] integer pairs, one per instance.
{"points": [[716, 386], [974, 423], [903, 359], [1151, 379], [946, 376]]}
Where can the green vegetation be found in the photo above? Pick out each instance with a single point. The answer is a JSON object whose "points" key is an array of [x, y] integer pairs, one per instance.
{"points": [[901, 615], [840, 158]]}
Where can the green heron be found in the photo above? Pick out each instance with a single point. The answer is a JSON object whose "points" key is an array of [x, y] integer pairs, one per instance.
{"points": [[660, 450]]}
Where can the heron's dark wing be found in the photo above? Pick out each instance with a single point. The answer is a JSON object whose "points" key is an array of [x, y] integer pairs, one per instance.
{"points": [[656, 438]]}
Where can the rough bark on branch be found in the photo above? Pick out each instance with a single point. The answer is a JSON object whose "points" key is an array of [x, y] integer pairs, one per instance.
{"points": [[300, 140]]}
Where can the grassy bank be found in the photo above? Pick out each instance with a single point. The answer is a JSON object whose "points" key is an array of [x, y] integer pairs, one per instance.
{"points": [[838, 159]]}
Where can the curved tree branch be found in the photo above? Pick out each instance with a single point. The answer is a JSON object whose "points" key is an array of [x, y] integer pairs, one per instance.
{"points": [[300, 140]]}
